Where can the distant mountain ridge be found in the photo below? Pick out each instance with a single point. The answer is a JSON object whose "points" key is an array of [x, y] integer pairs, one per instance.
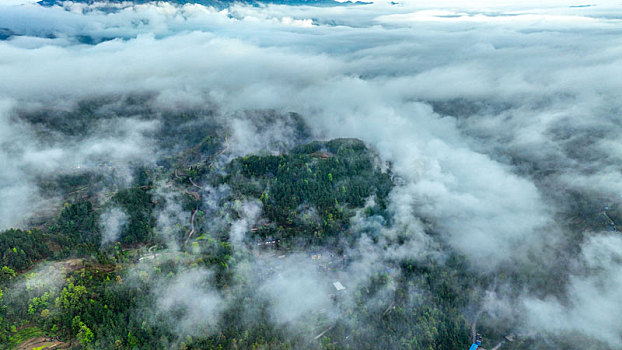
{"points": [[214, 3]]}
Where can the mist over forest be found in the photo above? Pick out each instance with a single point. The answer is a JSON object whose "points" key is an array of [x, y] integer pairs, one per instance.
{"points": [[310, 174]]}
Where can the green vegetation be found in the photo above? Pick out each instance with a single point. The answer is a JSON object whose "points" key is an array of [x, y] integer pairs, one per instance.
{"points": [[21, 249], [98, 296], [24, 334], [312, 192], [137, 202]]}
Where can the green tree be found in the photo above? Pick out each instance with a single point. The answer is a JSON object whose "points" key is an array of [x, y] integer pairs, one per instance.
{"points": [[6, 274], [85, 335]]}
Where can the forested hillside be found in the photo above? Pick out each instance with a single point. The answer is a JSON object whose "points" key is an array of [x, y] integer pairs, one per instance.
{"points": [[62, 280], [204, 251], [310, 174]]}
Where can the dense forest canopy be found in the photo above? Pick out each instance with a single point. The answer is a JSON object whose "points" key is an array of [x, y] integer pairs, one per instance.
{"points": [[310, 175], [176, 257], [308, 198]]}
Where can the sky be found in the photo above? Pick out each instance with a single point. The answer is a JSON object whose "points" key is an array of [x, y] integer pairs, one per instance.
{"points": [[492, 114]]}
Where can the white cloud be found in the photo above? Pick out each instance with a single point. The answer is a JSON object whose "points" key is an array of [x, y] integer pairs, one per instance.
{"points": [[112, 222], [593, 307], [471, 104]]}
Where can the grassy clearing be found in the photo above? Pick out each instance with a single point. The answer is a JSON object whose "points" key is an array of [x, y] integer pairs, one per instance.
{"points": [[24, 334]]}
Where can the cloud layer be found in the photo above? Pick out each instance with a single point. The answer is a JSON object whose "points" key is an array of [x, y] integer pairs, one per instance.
{"points": [[491, 114]]}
